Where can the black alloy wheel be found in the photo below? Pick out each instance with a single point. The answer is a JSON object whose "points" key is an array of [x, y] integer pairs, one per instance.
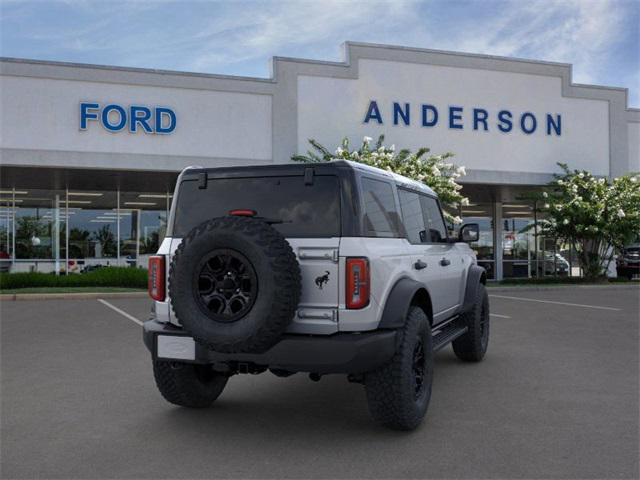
{"points": [[226, 285]]}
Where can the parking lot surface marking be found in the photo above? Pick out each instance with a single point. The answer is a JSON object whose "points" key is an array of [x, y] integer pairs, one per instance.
{"points": [[499, 316], [556, 303], [121, 312], [550, 400]]}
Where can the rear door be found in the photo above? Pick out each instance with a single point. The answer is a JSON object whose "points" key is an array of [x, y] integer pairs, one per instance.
{"points": [[434, 259], [446, 255]]}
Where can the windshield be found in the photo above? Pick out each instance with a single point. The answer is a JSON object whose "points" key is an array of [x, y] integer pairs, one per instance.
{"points": [[297, 210]]}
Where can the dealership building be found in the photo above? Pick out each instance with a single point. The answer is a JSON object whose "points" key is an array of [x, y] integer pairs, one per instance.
{"points": [[90, 154]]}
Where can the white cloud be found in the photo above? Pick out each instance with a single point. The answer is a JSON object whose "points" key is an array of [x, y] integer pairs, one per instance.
{"points": [[240, 37], [258, 33], [581, 32]]}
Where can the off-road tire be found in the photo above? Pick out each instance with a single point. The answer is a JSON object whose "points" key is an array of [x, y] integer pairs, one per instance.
{"points": [[391, 390], [278, 284], [188, 385], [472, 346]]}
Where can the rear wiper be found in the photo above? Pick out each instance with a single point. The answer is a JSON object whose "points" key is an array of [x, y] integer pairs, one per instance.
{"points": [[272, 221]]}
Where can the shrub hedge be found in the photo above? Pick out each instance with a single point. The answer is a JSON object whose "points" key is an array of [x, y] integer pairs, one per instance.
{"points": [[563, 280], [102, 277]]}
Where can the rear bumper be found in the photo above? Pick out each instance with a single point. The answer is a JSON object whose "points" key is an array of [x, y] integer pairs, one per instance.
{"points": [[338, 353]]}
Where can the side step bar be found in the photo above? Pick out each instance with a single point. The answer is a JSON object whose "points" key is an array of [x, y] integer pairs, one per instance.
{"points": [[447, 334]]}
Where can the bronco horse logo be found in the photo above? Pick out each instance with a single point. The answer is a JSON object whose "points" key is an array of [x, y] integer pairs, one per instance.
{"points": [[322, 279]]}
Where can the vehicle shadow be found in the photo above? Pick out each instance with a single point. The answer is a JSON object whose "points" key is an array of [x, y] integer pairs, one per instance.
{"points": [[292, 406]]}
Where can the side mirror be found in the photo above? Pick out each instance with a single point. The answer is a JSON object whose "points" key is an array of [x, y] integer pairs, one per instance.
{"points": [[469, 233]]}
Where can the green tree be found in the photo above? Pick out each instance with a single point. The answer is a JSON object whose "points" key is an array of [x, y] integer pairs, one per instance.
{"points": [[595, 215], [107, 240], [28, 228], [79, 242], [433, 170]]}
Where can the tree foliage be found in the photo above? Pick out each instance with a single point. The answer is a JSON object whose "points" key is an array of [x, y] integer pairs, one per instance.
{"points": [[595, 215], [436, 171]]}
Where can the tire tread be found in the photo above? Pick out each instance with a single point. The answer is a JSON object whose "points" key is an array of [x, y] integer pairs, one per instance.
{"points": [[181, 386]]}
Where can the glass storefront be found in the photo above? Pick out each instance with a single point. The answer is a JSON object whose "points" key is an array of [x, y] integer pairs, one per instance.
{"points": [[483, 214], [75, 230], [524, 252], [518, 240], [78, 230]]}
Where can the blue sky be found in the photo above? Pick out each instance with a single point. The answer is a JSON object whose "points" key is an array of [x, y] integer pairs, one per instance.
{"points": [[601, 38]]}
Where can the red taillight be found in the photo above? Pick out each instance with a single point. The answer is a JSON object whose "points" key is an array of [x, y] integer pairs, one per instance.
{"points": [[242, 212], [358, 286], [156, 277]]}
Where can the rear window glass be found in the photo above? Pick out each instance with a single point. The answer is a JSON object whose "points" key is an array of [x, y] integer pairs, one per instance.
{"points": [[304, 210]]}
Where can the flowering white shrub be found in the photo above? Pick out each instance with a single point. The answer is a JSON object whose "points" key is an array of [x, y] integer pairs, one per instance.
{"points": [[593, 214], [433, 170]]}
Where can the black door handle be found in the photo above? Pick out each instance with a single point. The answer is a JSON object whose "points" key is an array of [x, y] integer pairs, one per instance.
{"points": [[419, 265], [444, 262]]}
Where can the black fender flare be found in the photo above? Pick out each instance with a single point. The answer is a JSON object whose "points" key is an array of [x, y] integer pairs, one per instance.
{"points": [[475, 277], [398, 302]]}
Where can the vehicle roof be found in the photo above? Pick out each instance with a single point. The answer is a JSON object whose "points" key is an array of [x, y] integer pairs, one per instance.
{"points": [[291, 168], [398, 179]]}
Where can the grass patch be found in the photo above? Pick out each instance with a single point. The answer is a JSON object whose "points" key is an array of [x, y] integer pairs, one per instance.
{"points": [[70, 290], [122, 277]]}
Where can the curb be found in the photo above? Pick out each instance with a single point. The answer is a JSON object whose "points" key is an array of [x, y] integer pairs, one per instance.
{"points": [[534, 288], [70, 296]]}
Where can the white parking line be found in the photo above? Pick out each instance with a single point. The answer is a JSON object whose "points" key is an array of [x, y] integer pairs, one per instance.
{"points": [[499, 316], [556, 303], [121, 312]]}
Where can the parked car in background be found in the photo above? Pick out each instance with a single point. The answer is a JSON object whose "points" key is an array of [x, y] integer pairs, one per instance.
{"points": [[628, 263], [5, 261], [554, 264]]}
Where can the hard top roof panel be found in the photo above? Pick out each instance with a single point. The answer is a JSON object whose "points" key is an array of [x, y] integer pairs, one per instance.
{"points": [[299, 168]]}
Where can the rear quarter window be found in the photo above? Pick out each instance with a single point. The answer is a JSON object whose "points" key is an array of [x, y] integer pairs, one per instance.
{"points": [[381, 217], [302, 210]]}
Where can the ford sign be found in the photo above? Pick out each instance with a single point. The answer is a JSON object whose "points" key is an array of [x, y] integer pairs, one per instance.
{"points": [[134, 118]]}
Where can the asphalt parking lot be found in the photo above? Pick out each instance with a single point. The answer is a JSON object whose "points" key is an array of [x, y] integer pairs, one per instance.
{"points": [[556, 397]]}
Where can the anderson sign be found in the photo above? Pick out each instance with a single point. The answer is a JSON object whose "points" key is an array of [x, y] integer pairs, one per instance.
{"points": [[460, 118]]}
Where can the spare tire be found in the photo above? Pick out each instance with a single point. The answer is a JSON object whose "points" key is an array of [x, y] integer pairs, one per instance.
{"points": [[234, 284]]}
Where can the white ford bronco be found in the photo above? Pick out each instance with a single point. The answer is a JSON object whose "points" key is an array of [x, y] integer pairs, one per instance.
{"points": [[321, 268]]}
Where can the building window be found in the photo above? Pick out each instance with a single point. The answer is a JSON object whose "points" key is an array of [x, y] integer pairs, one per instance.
{"points": [[69, 231], [38, 227], [483, 215], [143, 224], [92, 229], [518, 240]]}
